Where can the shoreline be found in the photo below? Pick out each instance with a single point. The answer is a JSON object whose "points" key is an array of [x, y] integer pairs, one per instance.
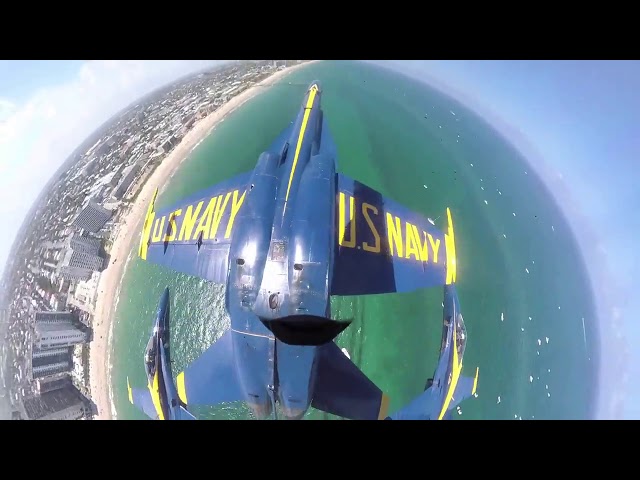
{"points": [[126, 234]]}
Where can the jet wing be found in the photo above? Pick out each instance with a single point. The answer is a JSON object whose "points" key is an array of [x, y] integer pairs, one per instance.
{"points": [[193, 235], [211, 378], [141, 398], [383, 247]]}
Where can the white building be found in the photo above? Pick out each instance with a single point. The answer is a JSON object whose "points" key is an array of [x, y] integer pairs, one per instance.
{"points": [[84, 296], [52, 335]]}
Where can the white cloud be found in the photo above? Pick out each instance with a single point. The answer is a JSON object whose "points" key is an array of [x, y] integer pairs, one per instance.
{"points": [[38, 136], [7, 108]]}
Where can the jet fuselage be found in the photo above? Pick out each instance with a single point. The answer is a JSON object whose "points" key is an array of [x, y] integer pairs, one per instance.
{"points": [[280, 262]]}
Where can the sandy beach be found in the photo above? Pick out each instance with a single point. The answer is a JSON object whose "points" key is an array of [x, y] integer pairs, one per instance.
{"points": [[127, 237]]}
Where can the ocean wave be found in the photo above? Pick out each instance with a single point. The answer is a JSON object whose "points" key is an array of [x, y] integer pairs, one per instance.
{"points": [[196, 145]]}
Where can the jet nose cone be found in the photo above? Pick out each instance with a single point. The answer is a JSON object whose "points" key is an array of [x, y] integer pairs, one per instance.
{"points": [[317, 84], [163, 310]]}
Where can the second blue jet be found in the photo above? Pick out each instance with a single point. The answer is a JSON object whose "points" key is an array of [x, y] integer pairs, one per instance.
{"points": [[159, 401]]}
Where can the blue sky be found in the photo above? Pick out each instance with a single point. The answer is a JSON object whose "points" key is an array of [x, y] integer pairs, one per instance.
{"points": [[47, 108], [19, 79], [578, 122]]}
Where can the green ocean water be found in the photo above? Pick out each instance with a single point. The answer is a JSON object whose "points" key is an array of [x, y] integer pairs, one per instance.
{"points": [[520, 278]]}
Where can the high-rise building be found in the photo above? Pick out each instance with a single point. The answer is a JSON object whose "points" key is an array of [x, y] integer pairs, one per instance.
{"points": [[51, 361], [128, 175], [51, 383], [54, 317], [63, 334], [84, 244], [92, 217], [65, 402], [117, 175], [79, 265]]}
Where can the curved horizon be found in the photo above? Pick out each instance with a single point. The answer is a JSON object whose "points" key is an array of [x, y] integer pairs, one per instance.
{"points": [[608, 290]]}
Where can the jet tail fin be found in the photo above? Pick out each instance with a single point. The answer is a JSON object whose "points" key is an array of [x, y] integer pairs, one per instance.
{"points": [[342, 389], [309, 330]]}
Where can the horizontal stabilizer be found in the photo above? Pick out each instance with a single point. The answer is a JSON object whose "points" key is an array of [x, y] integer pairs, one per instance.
{"points": [[342, 389], [309, 330], [211, 378], [465, 388], [141, 398]]}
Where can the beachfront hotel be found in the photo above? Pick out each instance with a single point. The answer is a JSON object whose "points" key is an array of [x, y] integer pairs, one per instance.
{"points": [[59, 334], [45, 363], [61, 400]]}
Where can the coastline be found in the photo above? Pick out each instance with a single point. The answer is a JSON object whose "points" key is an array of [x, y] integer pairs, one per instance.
{"points": [[126, 235]]}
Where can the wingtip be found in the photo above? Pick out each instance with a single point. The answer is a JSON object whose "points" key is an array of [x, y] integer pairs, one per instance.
{"points": [[182, 391], [146, 228], [384, 407], [450, 245], [130, 393], [475, 381]]}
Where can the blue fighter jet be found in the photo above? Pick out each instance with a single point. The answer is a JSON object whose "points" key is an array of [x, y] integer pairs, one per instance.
{"points": [[448, 387], [159, 400], [283, 238]]}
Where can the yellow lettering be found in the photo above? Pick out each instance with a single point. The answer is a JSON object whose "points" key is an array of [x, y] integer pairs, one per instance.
{"points": [[351, 243], [218, 213], [435, 245], [411, 247], [170, 237], [394, 233], [450, 251], [365, 211], [189, 221], [158, 228], [205, 220], [235, 207], [423, 248]]}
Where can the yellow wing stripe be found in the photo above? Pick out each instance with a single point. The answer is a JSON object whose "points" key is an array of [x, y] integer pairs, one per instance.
{"points": [[475, 382], [155, 396], [312, 95], [384, 407], [182, 391], [450, 245], [130, 392], [455, 375], [146, 228]]}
